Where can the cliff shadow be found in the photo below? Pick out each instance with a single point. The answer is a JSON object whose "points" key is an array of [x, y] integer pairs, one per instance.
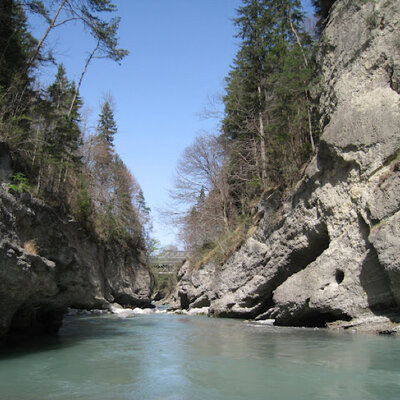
{"points": [[375, 281], [75, 330]]}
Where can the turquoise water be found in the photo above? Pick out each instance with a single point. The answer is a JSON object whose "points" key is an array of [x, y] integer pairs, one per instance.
{"points": [[158, 356]]}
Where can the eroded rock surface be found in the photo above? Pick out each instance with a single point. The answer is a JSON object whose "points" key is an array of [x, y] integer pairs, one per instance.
{"points": [[331, 250], [49, 263]]}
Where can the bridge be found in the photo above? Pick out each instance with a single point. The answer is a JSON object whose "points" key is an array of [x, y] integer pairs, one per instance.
{"points": [[169, 260]]}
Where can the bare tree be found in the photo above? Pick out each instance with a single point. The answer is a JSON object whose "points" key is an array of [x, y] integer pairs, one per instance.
{"points": [[201, 183]]}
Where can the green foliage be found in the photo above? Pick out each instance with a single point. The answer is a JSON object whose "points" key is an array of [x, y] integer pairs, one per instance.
{"points": [[85, 11], [267, 130], [20, 183], [42, 127], [153, 246], [83, 207], [57, 141], [266, 105], [163, 282], [106, 35], [101, 5], [107, 127], [15, 44], [322, 8], [16, 97], [218, 251], [141, 203], [254, 185], [37, 7]]}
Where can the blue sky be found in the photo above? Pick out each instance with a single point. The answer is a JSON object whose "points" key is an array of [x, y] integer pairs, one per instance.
{"points": [[180, 52]]}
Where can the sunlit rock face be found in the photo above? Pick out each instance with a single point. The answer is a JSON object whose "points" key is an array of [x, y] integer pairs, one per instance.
{"points": [[48, 262], [331, 250]]}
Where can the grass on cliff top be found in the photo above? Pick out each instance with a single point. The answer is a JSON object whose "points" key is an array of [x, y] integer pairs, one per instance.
{"points": [[31, 247], [219, 251]]}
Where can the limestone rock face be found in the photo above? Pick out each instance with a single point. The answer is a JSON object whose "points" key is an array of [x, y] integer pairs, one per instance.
{"points": [[49, 263], [331, 250]]}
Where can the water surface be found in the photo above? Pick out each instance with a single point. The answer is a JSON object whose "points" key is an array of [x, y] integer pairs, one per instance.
{"points": [[152, 357]]}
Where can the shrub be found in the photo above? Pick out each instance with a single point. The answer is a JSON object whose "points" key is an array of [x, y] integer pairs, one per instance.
{"points": [[20, 183]]}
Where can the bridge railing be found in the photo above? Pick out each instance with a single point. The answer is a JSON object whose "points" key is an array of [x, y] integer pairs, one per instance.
{"points": [[168, 262]]}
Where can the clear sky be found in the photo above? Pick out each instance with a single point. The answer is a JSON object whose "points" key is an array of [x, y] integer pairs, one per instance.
{"points": [[180, 52]]}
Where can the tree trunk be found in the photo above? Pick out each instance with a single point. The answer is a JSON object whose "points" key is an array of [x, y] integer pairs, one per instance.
{"points": [[261, 133], [224, 209], [39, 182], [91, 55], [306, 92], [255, 155], [49, 28], [35, 148]]}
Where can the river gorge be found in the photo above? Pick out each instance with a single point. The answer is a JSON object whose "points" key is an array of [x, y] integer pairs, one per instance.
{"points": [[177, 357], [308, 293]]}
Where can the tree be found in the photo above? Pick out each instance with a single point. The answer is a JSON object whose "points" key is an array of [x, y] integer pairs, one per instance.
{"points": [[61, 137], [79, 10], [201, 185], [15, 44], [119, 210], [140, 202], [125, 188], [84, 179], [16, 98], [272, 38], [106, 47], [85, 11], [267, 132], [106, 127], [201, 170]]}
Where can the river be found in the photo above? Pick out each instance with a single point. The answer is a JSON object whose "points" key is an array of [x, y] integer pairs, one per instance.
{"points": [[159, 357]]}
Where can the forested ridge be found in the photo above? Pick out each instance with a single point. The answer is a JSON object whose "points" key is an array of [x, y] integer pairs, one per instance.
{"points": [[55, 157], [268, 132]]}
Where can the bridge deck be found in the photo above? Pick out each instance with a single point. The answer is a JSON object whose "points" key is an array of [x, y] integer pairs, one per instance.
{"points": [[169, 260]]}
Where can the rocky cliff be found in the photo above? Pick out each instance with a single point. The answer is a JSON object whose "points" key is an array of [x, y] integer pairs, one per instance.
{"points": [[330, 251], [49, 263]]}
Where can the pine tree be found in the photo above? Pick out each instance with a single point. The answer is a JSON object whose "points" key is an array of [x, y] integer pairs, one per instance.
{"points": [[86, 12], [65, 132], [269, 77], [61, 137], [15, 44], [140, 201], [16, 97], [122, 197], [107, 128]]}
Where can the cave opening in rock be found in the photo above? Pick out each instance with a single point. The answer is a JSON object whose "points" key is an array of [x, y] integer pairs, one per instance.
{"points": [[32, 320], [315, 319], [339, 276], [184, 300]]}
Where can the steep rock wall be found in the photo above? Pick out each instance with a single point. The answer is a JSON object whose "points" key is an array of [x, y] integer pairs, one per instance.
{"points": [[65, 268], [331, 251]]}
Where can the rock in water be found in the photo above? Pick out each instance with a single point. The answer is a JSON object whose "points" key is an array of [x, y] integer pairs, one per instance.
{"points": [[331, 252]]}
